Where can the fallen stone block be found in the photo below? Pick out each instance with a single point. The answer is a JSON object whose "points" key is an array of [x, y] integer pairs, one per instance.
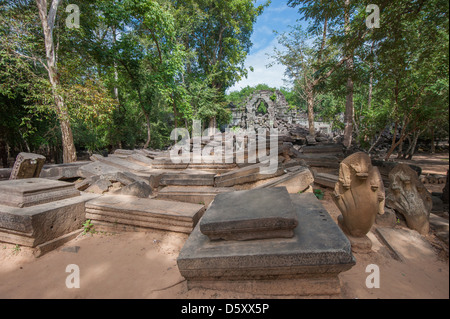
{"points": [[326, 180], [306, 265], [138, 189], [34, 191], [27, 165], [187, 179], [324, 148], [120, 163], [40, 224], [140, 159], [62, 171], [248, 174], [100, 186], [248, 215], [296, 180], [203, 195], [126, 213], [97, 168]]}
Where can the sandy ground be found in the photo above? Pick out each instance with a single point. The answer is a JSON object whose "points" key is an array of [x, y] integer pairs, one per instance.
{"points": [[143, 265]]}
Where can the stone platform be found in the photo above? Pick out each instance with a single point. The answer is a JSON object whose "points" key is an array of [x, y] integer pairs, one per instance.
{"points": [[46, 218], [34, 191], [306, 265], [126, 213]]}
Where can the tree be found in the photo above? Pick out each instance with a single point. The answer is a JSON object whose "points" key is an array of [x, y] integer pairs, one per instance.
{"points": [[48, 17]]}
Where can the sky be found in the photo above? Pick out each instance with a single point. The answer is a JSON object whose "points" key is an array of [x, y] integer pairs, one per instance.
{"points": [[278, 16]]}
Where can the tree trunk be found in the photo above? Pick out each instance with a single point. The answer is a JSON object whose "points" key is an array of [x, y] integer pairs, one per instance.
{"points": [[433, 147], [412, 149], [400, 149], [349, 108], [369, 102], [149, 132], [349, 113], [48, 22], [4, 153], [175, 114], [310, 103]]}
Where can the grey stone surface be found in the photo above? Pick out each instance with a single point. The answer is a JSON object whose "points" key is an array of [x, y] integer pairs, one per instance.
{"points": [[248, 174], [97, 168], [34, 191], [296, 180], [127, 213], [120, 163], [253, 214], [327, 180], [319, 248], [138, 189], [326, 148], [187, 179], [192, 194], [27, 165], [140, 159], [62, 171], [37, 225], [100, 186]]}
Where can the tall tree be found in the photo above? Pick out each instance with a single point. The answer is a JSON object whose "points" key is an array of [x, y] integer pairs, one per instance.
{"points": [[47, 16]]}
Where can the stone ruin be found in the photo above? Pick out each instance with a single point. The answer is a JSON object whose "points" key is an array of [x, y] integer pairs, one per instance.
{"points": [[269, 109], [248, 231]]}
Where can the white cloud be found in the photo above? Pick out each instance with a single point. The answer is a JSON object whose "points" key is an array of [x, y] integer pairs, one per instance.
{"points": [[259, 60]]}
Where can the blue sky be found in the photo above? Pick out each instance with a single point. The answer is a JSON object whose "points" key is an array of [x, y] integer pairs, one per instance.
{"points": [[278, 16]]}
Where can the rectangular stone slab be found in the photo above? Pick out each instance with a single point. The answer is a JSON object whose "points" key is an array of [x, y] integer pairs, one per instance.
{"points": [[252, 214], [124, 212], [34, 191], [187, 179], [295, 181], [327, 180], [192, 194], [248, 174], [40, 224], [319, 248]]}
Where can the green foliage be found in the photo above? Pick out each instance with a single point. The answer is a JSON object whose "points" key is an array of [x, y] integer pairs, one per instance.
{"points": [[319, 194], [262, 108], [88, 227], [16, 249]]}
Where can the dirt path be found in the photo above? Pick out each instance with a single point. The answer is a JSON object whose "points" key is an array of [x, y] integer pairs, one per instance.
{"points": [[143, 265]]}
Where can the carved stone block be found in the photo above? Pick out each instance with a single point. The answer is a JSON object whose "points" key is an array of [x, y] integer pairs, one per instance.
{"points": [[359, 194], [27, 165], [409, 197]]}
